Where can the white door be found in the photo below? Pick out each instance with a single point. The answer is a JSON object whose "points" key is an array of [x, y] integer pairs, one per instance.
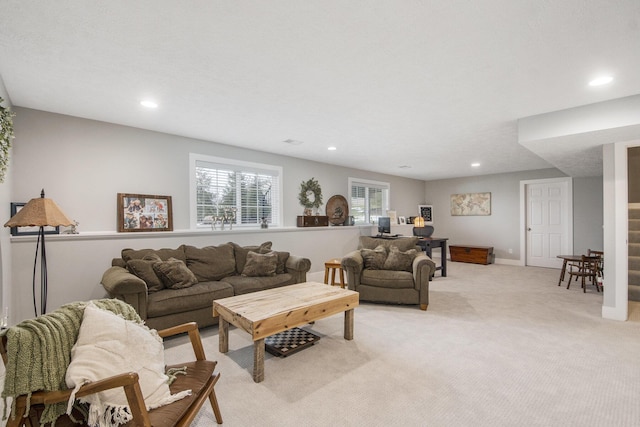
{"points": [[548, 222]]}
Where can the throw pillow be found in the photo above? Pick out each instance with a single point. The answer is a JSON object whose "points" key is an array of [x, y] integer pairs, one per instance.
{"points": [[143, 268], [400, 261], [174, 274], [242, 251], [211, 262], [374, 259], [108, 345], [259, 265], [282, 261]]}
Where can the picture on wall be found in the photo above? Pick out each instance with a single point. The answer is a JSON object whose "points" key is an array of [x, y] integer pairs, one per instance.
{"points": [[393, 215], [426, 212], [142, 212], [471, 204]]}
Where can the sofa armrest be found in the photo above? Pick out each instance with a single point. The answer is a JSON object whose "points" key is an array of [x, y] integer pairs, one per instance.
{"points": [[353, 264], [121, 284], [298, 266]]}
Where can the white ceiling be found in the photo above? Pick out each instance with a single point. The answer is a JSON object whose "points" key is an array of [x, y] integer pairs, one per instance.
{"points": [[434, 84]]}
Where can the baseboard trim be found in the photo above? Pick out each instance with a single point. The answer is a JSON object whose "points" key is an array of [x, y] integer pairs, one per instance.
{"points": [[505, 261]]}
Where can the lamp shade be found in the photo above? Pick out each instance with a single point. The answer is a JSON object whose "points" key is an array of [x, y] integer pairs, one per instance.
{"points": [[418, 222], [39, 212]]}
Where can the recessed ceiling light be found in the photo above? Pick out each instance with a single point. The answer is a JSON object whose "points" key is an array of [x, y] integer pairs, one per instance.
{"points": [[332, 148], [404, 167], [603, 80], [149, 104], [475, 165]]}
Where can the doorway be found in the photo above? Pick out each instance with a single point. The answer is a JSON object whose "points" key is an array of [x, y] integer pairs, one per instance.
{"points": [[547, 221]]}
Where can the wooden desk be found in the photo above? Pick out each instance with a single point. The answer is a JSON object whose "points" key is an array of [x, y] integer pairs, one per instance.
{"points": [[566, 258], [428, 243]]}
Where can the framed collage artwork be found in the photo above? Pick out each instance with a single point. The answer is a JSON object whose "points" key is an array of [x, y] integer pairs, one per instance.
{"points": [[142, 212]]}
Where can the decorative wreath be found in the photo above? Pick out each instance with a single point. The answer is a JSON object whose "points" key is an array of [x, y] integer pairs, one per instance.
{"points": [[306, 188]]}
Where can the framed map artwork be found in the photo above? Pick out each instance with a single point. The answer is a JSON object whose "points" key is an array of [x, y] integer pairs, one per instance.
{"points": [[471, 204]]}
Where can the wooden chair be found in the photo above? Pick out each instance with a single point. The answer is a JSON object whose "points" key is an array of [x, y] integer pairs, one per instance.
{"points": [[599, 254], [200, 379], [587, 267]]}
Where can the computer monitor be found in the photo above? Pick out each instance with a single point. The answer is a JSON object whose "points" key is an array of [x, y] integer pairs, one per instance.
{"points": [[384, 225]]}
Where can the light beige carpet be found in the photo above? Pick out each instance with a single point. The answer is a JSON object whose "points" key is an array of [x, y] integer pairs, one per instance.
{"points": [[499, 346]]}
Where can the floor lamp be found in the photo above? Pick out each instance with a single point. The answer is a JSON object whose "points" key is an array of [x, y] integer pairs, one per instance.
{"points": [[40, 213]]}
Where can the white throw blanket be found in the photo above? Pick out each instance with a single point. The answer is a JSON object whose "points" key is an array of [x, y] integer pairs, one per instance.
{"points": [[108, 345]]}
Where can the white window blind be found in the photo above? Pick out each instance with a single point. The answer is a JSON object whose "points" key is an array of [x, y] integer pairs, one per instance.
{"points": [[224, 185], [369, 200]]}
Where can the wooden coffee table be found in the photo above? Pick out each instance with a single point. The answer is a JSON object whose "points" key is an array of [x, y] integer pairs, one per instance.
{"points": [[265, 313]]}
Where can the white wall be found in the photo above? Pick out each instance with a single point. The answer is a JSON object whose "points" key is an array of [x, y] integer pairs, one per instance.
{"points": [[82, 165], [587, 214], [5, 199], [501, 229]]}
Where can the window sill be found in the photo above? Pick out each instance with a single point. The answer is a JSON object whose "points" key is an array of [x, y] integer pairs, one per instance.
{"points": [[113, 235]]}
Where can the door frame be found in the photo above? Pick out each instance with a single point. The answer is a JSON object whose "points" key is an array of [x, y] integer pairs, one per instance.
{"points": [[568, 199]]}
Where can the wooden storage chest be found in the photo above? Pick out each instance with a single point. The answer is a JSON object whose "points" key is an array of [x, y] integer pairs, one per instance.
{"points": [[472, 254], [313, 221]]}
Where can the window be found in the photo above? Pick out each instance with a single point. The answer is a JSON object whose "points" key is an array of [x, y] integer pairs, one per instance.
{"points": [[245, 191], [369, 200]]}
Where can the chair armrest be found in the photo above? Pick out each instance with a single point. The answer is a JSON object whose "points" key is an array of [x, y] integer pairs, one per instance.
{"points": [[423, 270], [194, 336], [353, 264]]}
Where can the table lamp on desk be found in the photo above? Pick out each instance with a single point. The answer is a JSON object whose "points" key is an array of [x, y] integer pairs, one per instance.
{"points": [[421, 230]]}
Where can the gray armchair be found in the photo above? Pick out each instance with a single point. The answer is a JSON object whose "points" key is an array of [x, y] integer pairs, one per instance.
{"points": [[385, 285]]}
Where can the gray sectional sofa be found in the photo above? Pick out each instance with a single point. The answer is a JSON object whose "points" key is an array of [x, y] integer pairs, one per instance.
{"points": [[168, 287]]}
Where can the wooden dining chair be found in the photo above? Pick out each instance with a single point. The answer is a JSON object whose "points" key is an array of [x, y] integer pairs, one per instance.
{"points": [[599, 254], [587, 267]]}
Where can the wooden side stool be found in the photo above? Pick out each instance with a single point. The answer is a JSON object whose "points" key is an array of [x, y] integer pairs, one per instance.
{"points": [[333, 265]]}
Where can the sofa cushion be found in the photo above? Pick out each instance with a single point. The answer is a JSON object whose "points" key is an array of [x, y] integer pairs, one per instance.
{"points": [[200, 295], [242, 251], [174, 274], [374, 258], [402, 243], [387, 279], [282, 261], [260, 265], [164, 254], [398, 260], [211, 263], [244, 285], [143, 268]]}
